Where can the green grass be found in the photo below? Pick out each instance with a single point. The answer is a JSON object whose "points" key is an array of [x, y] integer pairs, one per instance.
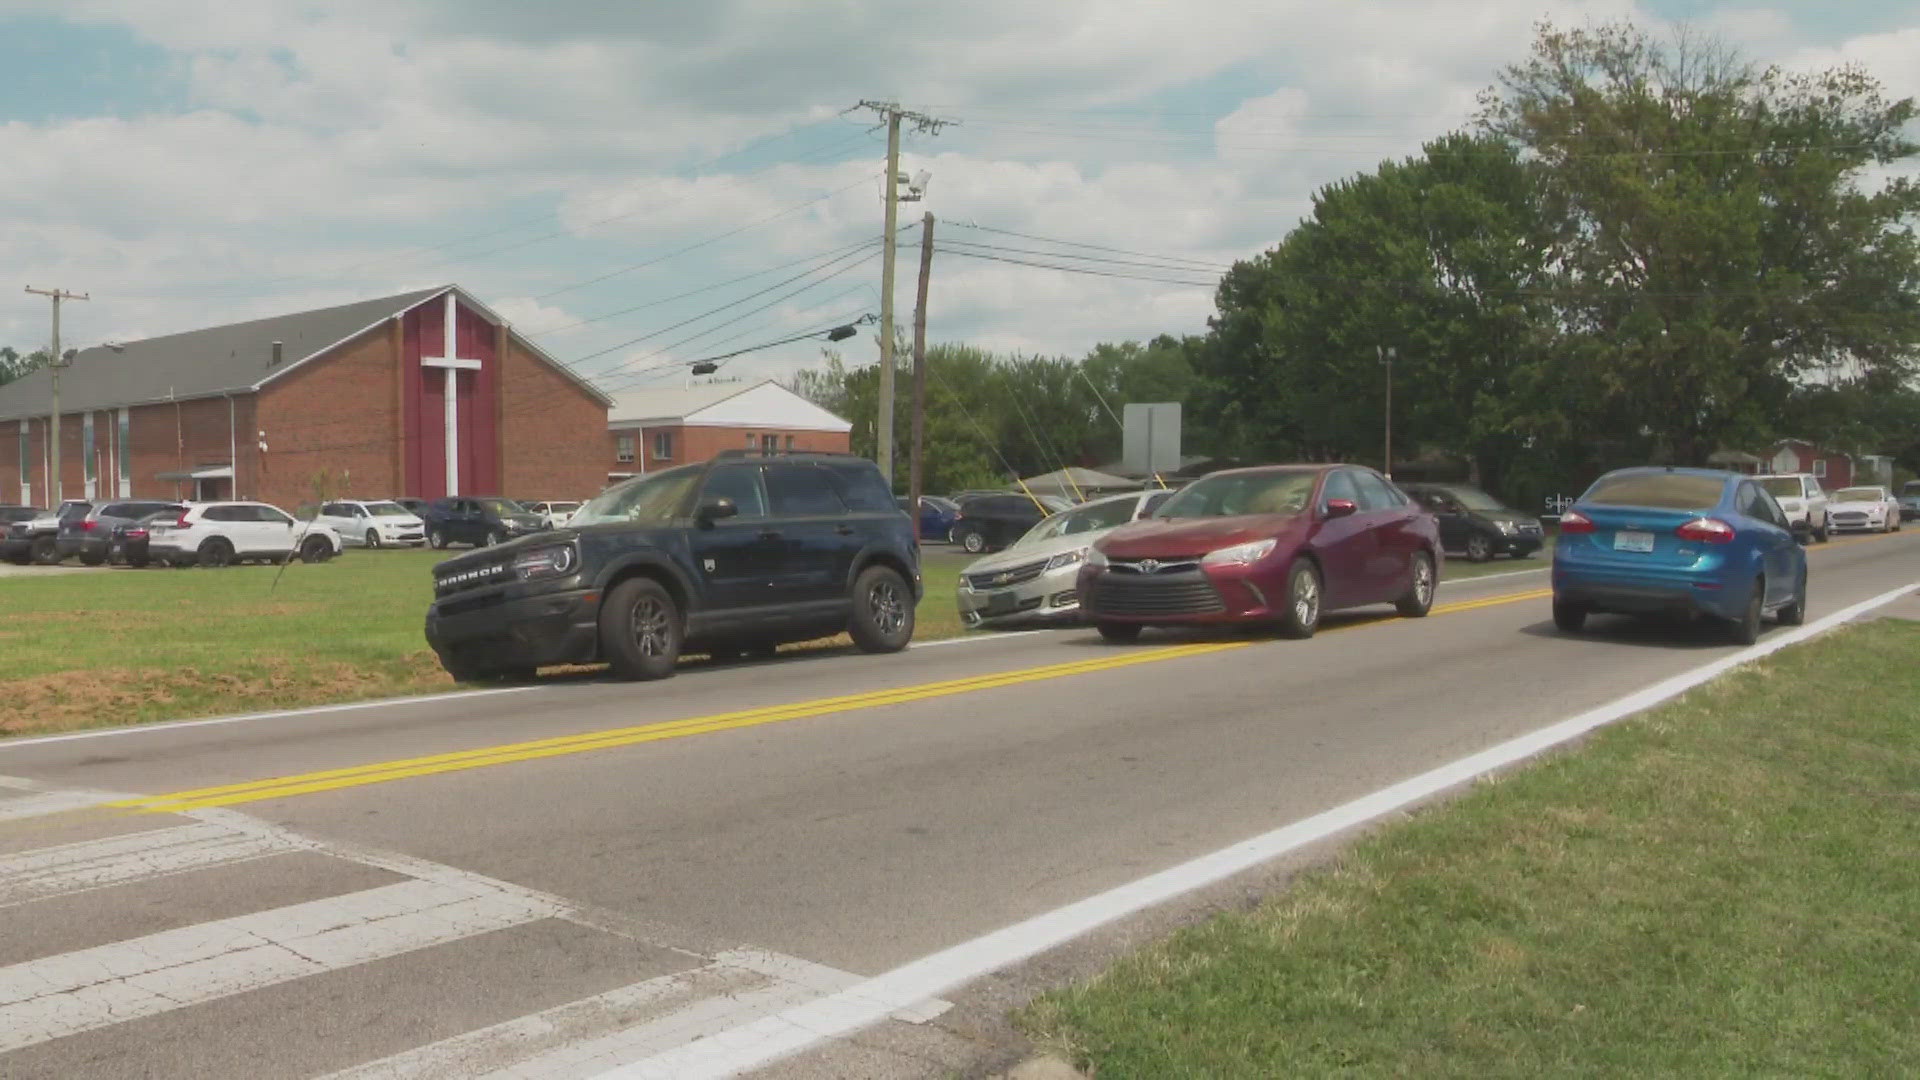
{"points": [[1728, 886], [124, 646], [1458, 568]]}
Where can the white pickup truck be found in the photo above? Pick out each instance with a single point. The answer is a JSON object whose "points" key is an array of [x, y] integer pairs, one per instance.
{"points": [[1803, 500]]}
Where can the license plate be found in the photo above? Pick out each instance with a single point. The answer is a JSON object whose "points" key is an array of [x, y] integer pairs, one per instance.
{"points": [[1001, 603], [1633, 541]]}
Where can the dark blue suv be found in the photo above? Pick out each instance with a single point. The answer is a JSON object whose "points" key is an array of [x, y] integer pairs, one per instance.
{"points": [[736, 555]]}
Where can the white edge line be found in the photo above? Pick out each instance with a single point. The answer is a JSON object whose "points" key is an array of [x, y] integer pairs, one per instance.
{"points": [[771, 1038], [162, 726], [1475, 579]]}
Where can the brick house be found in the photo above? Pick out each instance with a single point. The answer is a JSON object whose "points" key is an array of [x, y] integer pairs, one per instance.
{"points": [[351, 398], [1833, 469], [650, 430]]}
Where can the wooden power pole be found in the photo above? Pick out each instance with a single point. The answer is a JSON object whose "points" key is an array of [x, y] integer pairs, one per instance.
{"points": [[918, 447], [54, 364]]}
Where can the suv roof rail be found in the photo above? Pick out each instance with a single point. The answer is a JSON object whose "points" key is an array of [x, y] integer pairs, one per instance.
{"points": [[735, 454]]}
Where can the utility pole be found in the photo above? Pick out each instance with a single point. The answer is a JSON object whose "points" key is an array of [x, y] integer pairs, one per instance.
{"points": [[914, 452], [1386, 357], [884, 432], [54, 364], [892, 114]]}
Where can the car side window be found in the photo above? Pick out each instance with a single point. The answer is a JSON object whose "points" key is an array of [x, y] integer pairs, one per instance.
{"points": [[219, 513], [271, 516], [1374, 493], [801, 491], [862, 487], [1154, 502], [1339, 486], [739, 483]]}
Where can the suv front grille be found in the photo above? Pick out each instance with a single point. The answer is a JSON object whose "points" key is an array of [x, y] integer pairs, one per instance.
{"points": [[1147, 595], [1000, 579], [472, 577]]}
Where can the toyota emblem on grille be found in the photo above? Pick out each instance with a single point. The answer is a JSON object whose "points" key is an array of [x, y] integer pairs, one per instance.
{"points": [[1149, 566]]}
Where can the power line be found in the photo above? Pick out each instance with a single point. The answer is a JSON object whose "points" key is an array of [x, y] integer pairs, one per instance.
{"points": [[1091, 247], [710, 240], [1083, 270], [950, 245]]}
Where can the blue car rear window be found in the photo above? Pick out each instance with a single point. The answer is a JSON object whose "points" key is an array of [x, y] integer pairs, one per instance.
{"points": [[1665, 491]]}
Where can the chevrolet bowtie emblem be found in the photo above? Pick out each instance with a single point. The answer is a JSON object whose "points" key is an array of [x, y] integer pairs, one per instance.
{"points": [[1003, 579]]}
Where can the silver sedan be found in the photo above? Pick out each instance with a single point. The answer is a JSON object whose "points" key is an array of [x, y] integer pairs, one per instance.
{"points": [[1033, 579]]}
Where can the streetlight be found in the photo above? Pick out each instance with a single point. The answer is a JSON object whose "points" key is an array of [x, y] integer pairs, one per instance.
{"points": [[709, 365], [1386, 357]]}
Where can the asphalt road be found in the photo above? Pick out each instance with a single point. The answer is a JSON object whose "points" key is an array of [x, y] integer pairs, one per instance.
{"points": [[559, 880]]}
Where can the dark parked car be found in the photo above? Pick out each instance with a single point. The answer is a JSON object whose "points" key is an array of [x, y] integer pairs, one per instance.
{"points": [[733, 555], [91, 537], [936, 516], [38, 538], [1475, 524], [128, 543], [480, 520], [991, 522], [1909, 500], [1273, 546]]}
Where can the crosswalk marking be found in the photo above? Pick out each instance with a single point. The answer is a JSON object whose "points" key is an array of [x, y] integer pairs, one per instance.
{"points": [[127, 858], [78, 991]]}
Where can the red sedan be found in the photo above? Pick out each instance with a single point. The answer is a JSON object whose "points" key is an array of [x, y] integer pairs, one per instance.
{"points": [[1275, 545]]}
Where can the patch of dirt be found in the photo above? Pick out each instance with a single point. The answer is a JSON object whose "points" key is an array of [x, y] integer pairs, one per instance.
{"points": [[66, 701]]}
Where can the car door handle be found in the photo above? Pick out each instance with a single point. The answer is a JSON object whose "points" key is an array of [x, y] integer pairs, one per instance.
{"points": [[769, 534], [843, 530]]}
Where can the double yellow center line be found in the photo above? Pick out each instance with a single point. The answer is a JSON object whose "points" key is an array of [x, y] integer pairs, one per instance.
{"points": [[407, 768]]}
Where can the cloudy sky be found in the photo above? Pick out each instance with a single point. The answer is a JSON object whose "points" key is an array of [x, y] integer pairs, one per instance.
{"points": [[640, 183]]}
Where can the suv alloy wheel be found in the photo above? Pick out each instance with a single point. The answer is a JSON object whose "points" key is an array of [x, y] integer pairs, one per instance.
{"points": [[641, 629], [882, 611]]}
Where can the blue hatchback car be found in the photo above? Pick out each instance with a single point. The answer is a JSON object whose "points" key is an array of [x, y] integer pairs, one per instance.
{"points": [[1688, 542]]}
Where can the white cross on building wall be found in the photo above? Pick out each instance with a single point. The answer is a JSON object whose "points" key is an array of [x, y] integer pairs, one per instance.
{"points": [[453, 366]]}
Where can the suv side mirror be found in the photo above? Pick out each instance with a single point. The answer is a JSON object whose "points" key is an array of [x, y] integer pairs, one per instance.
{"points": [[1339, 508], [712, 510]]}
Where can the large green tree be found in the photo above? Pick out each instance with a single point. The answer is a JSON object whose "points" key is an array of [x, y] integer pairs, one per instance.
{"points": [[1721, 230], [1438, 257]]}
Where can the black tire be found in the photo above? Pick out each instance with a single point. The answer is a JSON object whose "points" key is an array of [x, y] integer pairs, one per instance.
{"points": [[1820, 534], [1120, 633], [1305, 590], [1795, 613], [1419, 597], [641, 630], [216, 552], [88, 558], [973, 541], [316, 549], [373, 538], [1745, 630], [1570, 617], [436, 539], [44, 551], [882, 611], [1479, 548]]}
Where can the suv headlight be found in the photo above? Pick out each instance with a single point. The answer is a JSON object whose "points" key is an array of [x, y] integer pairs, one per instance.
{"points": [[1504, 526], [543, 562], [1241, 554], [1066, 558]]}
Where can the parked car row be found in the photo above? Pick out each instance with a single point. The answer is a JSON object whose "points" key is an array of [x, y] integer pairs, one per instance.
{"points": [[138, 532]]}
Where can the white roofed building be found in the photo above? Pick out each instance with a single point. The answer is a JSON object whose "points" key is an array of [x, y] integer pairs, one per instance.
{"points": [[650, 430]]}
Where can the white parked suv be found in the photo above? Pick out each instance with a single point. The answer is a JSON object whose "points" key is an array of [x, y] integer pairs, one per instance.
{"points": [[553, 514], [1803, 500], [220, 533], [372, 524]]}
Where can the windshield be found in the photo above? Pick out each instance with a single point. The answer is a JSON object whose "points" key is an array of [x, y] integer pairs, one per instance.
{"points": [[1474, 498], [503, 507], [1868, 494], [1782, 487], [1234, 494], [1108, 515], [562, 507], [654, 498], [387, 509]]}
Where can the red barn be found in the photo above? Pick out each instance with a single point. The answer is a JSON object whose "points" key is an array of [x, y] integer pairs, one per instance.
{"points": [[424, 394]]}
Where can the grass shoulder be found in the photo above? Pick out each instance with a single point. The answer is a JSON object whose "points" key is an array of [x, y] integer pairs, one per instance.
{"points": [[1725, 886]]}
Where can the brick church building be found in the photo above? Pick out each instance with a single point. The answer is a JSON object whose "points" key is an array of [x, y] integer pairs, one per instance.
{"points": [[424, 394]]}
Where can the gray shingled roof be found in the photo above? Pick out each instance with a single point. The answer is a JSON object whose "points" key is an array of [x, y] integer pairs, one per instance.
{"points": [[198, 363]]}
